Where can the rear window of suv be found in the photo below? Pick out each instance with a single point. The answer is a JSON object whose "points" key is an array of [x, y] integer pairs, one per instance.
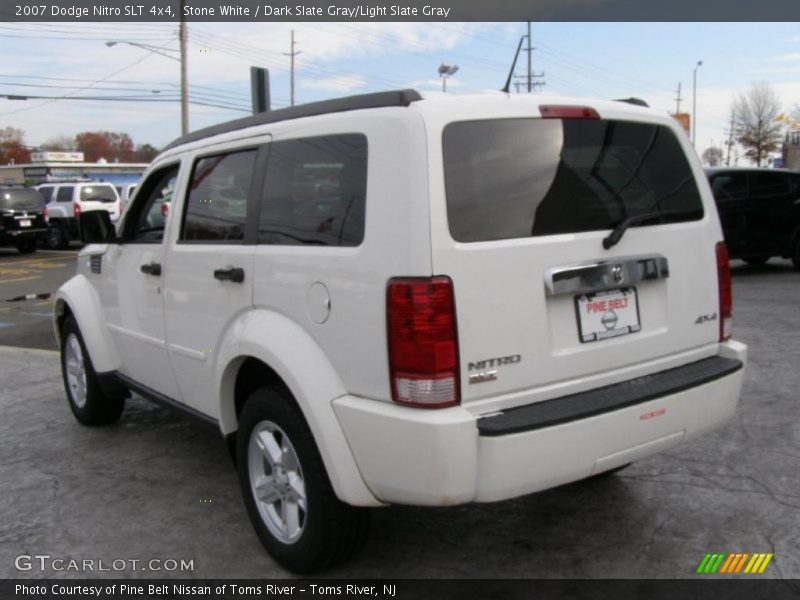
{"points": [[515, 178], [98, 193], [20, 199]]}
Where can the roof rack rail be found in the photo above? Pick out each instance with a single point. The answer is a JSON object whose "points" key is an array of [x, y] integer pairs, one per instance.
{"points": [[374, 100]]}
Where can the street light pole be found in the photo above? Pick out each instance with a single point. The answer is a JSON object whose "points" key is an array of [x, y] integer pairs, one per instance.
{"points": [[694, 102], [184, 76], [162, 50], [446, 71]]}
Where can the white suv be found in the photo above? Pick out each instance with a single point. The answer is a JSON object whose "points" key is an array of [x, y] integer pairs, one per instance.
{"points": [[66, 201], [389, 299]]}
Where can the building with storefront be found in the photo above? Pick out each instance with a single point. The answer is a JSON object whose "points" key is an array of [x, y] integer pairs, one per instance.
{"points": [[69, 166], [791, 150]]}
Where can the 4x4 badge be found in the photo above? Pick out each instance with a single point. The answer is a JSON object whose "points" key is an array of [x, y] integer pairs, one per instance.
{"points": [[705, 318]]}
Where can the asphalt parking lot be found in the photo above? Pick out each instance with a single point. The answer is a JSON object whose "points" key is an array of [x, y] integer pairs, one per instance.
{"points": [[27, 322], [157, 486]]}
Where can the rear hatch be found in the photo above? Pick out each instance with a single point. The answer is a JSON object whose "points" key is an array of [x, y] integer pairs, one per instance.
{"points": [[540, 301], [100, 196], [21, 209]]}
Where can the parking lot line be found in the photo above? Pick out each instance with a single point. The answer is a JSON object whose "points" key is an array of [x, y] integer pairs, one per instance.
{"points": [[2, 281], [42, 260]]}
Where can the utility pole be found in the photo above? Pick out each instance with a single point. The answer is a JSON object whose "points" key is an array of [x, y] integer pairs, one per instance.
{"points": [[730, 141], [678, 100], [530, 49], [291, 56], [184, 75], [529, 79]]}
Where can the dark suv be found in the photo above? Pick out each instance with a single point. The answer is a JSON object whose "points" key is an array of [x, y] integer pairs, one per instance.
{"points": [[760, 212], [21, 218]]}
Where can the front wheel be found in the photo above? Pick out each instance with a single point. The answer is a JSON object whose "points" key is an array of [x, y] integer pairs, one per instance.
{"points": [[85, 395], [286, 490]]}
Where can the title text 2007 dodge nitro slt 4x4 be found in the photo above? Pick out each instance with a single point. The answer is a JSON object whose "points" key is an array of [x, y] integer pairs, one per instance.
{"points": [[389, 299]]}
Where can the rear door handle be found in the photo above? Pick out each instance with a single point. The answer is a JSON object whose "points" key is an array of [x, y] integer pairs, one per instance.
{"points": [[152, 268], [234, 274]]}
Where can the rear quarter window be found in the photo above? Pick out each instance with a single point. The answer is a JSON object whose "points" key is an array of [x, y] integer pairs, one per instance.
{"points": [[516, 178], [315, 192]]}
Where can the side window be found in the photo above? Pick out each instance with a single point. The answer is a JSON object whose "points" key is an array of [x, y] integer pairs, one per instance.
{"points": [[315, 192], [729, 186], [216, 206], [766, 184], [147, 216], [64, 193], [47, 194]]}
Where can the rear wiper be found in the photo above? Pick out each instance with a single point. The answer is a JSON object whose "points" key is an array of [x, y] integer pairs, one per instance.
{"points": [[615, 236]]}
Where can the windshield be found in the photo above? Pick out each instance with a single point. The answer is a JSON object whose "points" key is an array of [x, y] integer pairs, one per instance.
{"points": [[20, 199], [516, 178], [98, 193]]}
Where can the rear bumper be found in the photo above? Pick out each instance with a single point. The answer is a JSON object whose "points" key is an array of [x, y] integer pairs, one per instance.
{"points": [[13, 236], [450, 456]]}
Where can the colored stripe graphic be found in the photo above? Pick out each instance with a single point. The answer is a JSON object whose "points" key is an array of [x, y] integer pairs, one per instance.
{"points": [[731, 560], [701, 567], [741, 562], [723, 563]]}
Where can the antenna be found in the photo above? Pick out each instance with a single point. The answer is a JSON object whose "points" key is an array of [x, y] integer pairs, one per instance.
{"points": [[513, 66]]}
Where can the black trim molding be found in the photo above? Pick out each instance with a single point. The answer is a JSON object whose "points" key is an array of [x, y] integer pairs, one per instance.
{"points": [[606, 399], [115, 378]]}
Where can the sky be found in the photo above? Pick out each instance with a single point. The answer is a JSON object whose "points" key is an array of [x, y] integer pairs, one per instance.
{"points": [[587, 60]]}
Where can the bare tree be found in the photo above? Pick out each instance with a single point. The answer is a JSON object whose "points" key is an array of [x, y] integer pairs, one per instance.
{"points": [[12, 146], [713, 156], [61, 143], [756, 126]]}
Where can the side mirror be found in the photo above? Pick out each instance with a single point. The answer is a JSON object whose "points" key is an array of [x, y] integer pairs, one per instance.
{"points": [[97, 228]]}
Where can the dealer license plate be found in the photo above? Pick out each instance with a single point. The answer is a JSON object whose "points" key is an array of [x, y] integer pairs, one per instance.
{"points": [[24, 222], [607, 314]]}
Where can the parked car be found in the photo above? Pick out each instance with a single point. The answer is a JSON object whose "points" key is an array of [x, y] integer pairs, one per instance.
{"points": [[21, 218], [388, 299], [125, 193], [760, 212], [66, 201]]}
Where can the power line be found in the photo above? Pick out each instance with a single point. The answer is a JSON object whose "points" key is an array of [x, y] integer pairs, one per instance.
{"points": [[80, 89], [216, 91]]}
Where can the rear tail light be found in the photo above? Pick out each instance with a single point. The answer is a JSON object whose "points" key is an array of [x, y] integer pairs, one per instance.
{"points": [[46, 215], [164, 210], [423, 344], [725, 292], [558, 111], [76, 210]]}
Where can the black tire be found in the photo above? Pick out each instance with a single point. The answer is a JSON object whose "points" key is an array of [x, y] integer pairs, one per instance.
{"points": [[57, 237], [756, 261], [97, 408], [332, 531], [27, 247]]}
